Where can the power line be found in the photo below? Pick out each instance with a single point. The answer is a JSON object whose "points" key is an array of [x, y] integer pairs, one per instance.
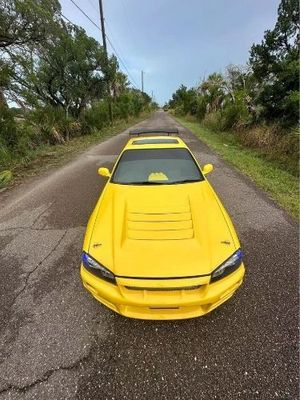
{"points": [[121, 61], [80, 9], [67, 19], [119, 55], [109, 41]]}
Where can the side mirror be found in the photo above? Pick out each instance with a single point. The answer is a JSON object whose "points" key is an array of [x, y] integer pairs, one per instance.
{"points": [[207, 168], [104, 172]]}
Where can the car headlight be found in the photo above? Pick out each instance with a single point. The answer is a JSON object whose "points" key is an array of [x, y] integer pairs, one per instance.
{"points": [[96, 268], [229, 266]]}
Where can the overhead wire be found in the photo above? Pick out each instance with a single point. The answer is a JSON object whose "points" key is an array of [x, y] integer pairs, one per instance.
{"points": [[122, 62], [66, 18], [85, 14], [108, 39]]}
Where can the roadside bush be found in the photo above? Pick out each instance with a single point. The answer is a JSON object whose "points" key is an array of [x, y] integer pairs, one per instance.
{"points": [[28, 139], [8, 128], [201, 108], [16, 139], [123, 107], [213, 121], [261, 136], [235, 115], [131, 103], [77, 128], [277, 144], [5, 177], [138, 103], [97, 116], [5, 154], [179, 111], [52, 124]]}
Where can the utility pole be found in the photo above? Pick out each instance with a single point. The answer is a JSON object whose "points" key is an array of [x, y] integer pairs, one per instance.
{"points": [[106, 59], [142, 79]]}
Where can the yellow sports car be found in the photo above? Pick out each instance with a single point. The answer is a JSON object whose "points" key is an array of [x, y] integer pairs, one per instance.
{"points": [[159, 244]]}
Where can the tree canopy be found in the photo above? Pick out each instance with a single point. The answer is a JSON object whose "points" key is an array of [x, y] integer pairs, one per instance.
{"points": [[26, 21], [266, 90], [57, 75], [275, 66]]}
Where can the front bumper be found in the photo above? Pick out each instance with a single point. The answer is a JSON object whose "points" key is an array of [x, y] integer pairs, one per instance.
{"points": [[163, 298]]}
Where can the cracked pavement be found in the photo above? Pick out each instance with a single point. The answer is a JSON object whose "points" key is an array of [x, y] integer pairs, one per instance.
{"points": [[57, 342]]}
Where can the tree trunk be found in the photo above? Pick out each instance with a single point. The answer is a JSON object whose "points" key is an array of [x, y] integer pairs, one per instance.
{"points": [[3, 102], [67, 125]]}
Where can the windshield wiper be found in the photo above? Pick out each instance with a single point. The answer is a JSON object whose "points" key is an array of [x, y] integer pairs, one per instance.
{"points": [[143, 183], [186, 181], [158, 183]]}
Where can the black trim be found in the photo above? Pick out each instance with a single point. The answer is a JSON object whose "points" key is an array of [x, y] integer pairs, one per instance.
{"points": [[157, 183], [162, 278], [143, 131], [146, 141]]}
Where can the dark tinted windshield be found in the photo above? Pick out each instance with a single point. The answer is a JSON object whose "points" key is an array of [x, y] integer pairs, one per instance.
{"points": [[156, 166]]}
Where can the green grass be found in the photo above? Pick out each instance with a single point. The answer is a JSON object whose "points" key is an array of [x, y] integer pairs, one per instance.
{"points": [[46, 157], [281, 185]]}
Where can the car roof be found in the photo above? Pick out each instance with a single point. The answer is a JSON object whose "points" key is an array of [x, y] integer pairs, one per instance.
{"points": [[154, 142]]}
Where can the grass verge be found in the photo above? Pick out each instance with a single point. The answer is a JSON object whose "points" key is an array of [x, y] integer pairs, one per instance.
{"points": [[281, 185], [47, 157]]}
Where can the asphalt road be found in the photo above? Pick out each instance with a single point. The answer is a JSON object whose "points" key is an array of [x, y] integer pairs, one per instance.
{"points": [[57, 342]]}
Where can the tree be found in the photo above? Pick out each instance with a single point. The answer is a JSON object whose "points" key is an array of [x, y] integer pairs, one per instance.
{"points": [[23, 23], [275, 65], [67, 73], [26, 21], [186, 99], [119, 84], [214, 91]]}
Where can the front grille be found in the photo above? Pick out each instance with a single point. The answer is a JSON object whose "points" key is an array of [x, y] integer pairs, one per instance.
{"points": [[164, 289]]}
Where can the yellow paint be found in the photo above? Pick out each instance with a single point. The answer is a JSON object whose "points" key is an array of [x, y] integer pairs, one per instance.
{"points": [[157, 176], [161, 231]]}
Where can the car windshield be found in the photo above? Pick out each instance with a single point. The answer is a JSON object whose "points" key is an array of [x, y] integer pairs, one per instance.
{"points": [[156, 167]]}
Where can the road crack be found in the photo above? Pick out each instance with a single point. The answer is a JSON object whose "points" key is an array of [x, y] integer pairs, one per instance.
{"points": [[33, 223], [37, 266], [46, 376], [23, 228]]}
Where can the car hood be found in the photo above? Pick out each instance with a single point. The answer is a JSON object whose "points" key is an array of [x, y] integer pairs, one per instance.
{"points": [[161, 230]]}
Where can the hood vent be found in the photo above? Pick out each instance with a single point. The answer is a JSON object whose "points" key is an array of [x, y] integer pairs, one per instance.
{"points": [[160, 223]]}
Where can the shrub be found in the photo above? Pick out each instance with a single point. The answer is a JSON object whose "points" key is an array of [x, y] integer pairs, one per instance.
{"points": [[230, 116], [8, 128], [201, 108], [97, 116], [5, 154], [275, 143], [28, 139], [179, 111], [123, 106], [5, 177], [235, 113], [213, 121], [53, 124]]}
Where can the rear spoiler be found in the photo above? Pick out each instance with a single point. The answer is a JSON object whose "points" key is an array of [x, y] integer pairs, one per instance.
{"points": [[143, 131]]}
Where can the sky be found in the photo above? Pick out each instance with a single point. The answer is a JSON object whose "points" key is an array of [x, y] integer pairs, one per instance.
{"points": [[176, 41]]}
